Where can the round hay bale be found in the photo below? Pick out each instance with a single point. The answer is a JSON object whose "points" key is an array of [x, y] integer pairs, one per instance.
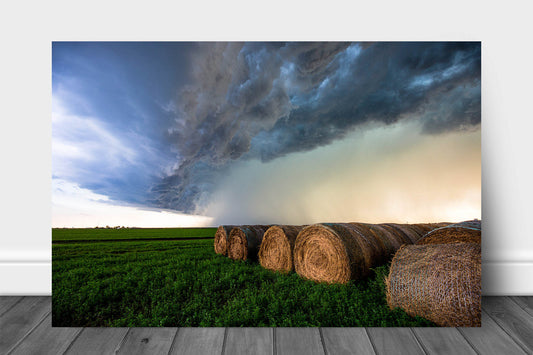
{"points": [[425, 227], [389, 234], [372, 247], [440, 282], [420, 229], [399, 234], [440, 224], [245, 241], [381, 244], [222, 239], [322, 254], [339, 252], [412, 234], [389, 243], [277, 248], [463, 232]]}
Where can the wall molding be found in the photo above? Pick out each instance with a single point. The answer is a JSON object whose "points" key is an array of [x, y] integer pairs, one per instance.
{"points": [[507, 278], [25, 256], [26, 277], [31, 278]]}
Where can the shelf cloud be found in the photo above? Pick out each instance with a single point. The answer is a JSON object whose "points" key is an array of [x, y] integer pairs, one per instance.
{"points": [[264, 101]]}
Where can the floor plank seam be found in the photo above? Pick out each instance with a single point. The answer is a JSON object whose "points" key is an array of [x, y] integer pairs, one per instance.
{"points": [[274, 350], [224, 341], [73, 341], [322, 341], [468, 341], [371, 341], [13, 305], [123, 341], [75, 337], [21, 340], [517, 342], [526, 309], [419, 342], [173, 341]]}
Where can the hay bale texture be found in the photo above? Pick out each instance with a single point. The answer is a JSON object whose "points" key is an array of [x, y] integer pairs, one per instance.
{"points": [[339, 252], [415, 232], [222, 239], [440, 282], [464, 232], [277, 248], [245, 241]]}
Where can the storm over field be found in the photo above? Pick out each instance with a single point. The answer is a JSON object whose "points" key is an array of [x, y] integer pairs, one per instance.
{"points": [[191, 134]]}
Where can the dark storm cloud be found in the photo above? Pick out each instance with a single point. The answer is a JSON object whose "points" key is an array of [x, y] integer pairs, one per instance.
{"points": [[264, 101], [384, 83], [312, 62], [236, 95]]}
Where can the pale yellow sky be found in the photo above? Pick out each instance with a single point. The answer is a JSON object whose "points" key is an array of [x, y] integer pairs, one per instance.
{"points": [[389, 174]]}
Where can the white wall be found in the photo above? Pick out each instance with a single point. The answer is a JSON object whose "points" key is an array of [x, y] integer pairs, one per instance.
{"points": [[25, 72]]}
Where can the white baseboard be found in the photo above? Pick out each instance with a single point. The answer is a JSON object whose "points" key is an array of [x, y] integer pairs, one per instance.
{"points": [[509, 278], [35, 278], [31, 278]]}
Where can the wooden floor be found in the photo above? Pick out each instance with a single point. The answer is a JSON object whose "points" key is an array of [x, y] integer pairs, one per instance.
{"points": [[25, 328]]}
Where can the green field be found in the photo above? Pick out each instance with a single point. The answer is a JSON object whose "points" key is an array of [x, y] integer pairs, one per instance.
{"points": [[184, 283], [91, 234]]}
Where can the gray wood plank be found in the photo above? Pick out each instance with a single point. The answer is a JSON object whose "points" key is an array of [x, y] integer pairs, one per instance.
{"points": [[25, 328], [244, 341], [512, 318], [203, 341], [18, 321], [98, 341], [525, 302], [6, 302], [148, 341], [347, 341], [490, 339], [397, 341], [46, 340], [443, 341], [298, 341]]}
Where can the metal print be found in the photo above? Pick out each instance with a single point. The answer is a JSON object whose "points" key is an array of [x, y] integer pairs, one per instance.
{"points": [[209, 184]]}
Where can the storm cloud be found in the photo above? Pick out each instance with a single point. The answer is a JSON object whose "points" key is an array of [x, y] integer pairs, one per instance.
{"points": [[267, 100]]}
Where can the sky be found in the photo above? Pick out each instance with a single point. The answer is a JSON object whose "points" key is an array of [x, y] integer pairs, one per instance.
{"points": [[173, 134]]}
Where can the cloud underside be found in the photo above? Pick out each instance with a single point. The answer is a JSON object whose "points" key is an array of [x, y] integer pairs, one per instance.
{"points": [[264, 101]]}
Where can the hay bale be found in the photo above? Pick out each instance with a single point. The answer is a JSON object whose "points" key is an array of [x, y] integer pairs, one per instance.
{"points": [[322, 253], [397, 233], [277, 248], [440, 282], [405, 231], [388, 241], [437, 225], [245, 241], [222, 239], [426, 227], [463, 232], [339, 252], [414, 232], [391, 235], [382, 245]]}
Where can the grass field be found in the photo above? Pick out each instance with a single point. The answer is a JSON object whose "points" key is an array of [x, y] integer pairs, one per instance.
{"points": [[184, 283], [91, 234]]}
